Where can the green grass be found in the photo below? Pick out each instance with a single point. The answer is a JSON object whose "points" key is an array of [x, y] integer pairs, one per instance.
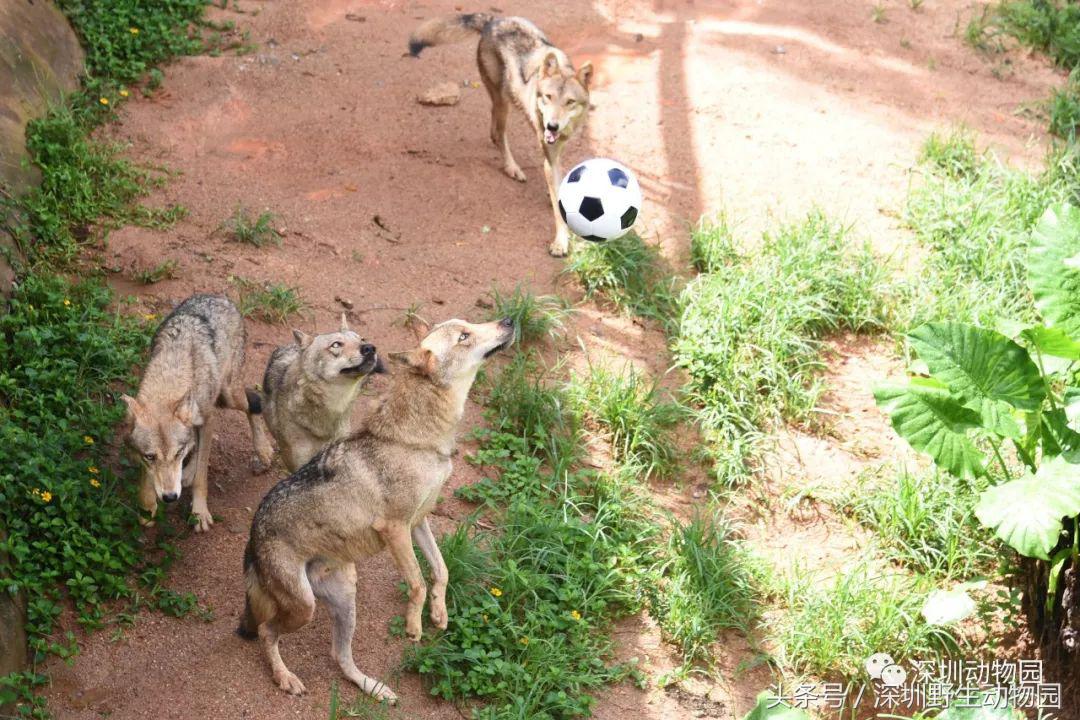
{"points": [[828, 628], [1063, 108], [531, 603], [972, 215], [628, 273], [751, 329], [924, 521], [627, 408], [536, 317], [1048, 25], [258, 230], [164, 270], [267, 301], [708, 585]]}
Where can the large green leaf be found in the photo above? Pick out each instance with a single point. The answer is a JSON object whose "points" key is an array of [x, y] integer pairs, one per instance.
{"points": [[1052, 341], [1053, 267], [769, 708], [979, 365], [934, 422], [1027, 513]]}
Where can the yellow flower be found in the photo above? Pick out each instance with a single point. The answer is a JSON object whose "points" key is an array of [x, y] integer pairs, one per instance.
{"points": [[496, 592], [35, 491], [149, 316], [66, 302], [524, 641], [95, 482], [103, 101], [88, 440], [46, 496], [124, 93], [575, 614], [485, 618], [133, 31], [92, 470]]}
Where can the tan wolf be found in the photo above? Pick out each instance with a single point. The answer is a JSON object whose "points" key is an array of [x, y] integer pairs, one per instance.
{"points": [[370, 490], [195, 362], [310, 387], [519, 65]]}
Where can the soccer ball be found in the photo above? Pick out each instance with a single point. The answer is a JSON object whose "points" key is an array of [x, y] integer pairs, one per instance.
{"points": [[599, 199]]}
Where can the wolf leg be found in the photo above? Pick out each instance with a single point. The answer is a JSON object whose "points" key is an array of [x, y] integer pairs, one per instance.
{"points": [[199, 484], [560, 246], [398, 538], [336, 586], [236, 398], [295, 605], [425, 539]]}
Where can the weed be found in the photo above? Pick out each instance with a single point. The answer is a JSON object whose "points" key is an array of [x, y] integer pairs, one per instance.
{"points": [[925, 521], [628, 273], [1063, 108], [1053, 27], [708, 585], [258, 231], [980, 33], [916, 4], [268, 301], [165, 270], [627, 407], [879, 14], [829, 629], [712, 245], [750, 336], [973, 215], [536, 317]]}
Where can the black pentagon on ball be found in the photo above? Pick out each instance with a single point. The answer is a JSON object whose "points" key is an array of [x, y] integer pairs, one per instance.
{"points": [[627, 218], [562, 211], [593, 238], [618, 177], [575, 174], [591, 208]]}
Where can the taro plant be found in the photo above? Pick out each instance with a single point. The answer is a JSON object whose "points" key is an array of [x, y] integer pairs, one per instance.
{"points": [[1004, 408]]}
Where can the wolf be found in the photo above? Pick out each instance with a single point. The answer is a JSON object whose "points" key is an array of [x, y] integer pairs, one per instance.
{"points": [[196, 357], [520, 66], [370, 490], [310, 387]]}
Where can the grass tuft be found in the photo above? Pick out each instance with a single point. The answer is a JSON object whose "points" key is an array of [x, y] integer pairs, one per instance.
{"points": [[750, 335], [269, 302], [631, 275], [258, 231], [627, 408], [536, 317], [165, 270]]}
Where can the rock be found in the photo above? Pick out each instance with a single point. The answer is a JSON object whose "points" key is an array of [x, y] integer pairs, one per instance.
{"points": [[447, 93]]}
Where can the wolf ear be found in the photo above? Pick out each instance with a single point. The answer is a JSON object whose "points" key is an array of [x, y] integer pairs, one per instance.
{"points": [[187, 411], [423, 361], [550, 66], [584, 74], [134, 407], [344, 324], [302, 338]]}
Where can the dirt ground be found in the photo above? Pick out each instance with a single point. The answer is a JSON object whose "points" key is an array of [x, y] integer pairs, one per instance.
{"points": [[762, 107]]}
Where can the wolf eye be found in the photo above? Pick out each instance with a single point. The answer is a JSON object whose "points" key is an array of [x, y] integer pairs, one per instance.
{"points": [[149, 457], [336, 345], [570, 102], [463, 337], [549, 98]]}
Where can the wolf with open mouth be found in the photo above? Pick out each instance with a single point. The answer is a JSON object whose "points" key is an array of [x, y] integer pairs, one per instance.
{"points": [[310, 387]]}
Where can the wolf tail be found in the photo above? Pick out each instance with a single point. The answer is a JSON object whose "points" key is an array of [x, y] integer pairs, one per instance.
{"points": [[249, 626], [449, 29]]}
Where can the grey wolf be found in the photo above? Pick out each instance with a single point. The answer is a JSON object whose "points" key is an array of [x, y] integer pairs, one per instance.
{"points": [[519, 65], [310, 387], [195, 361], [365, 492]]}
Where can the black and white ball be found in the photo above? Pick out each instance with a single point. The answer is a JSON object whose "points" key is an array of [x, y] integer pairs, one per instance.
{"points": [[600, 199]]}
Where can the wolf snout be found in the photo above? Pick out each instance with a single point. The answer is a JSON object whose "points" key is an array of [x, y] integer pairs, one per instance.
{"points": [[170, 497], [507, 322], [367, 349], [553, 127]]}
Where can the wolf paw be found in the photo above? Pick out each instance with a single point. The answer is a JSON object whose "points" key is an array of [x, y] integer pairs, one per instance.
{"points": [[514, 172], [413, 629], [384, 693], [439, 615], [289, 683], [259, 464], [203, 520], [146, 522], [560, 247]]}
